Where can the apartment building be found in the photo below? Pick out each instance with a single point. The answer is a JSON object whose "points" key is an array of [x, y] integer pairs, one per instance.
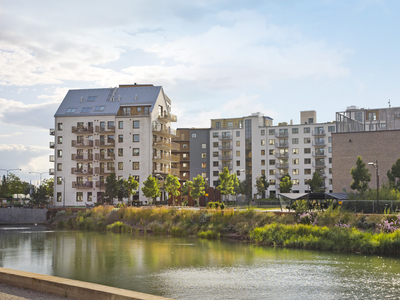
{"points": [[124, 130]]}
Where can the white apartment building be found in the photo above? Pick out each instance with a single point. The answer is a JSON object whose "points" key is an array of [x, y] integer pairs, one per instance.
{"points": [[251, 146], [124, 130]]}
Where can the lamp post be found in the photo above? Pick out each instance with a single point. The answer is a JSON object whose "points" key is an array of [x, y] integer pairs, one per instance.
{"points": [[375, 165], [40, 182], [8, 170], [63, 180]]}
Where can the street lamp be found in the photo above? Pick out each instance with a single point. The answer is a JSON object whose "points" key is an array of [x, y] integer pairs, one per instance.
{"points": [[40, 182], [8, 170], [375, 165], [63, 180]]}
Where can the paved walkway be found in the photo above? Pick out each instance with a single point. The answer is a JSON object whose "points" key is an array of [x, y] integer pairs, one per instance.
{"points": [[8, 292]]}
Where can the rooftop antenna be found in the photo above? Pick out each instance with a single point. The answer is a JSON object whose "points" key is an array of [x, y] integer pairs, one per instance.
{"points": [[389, 103], [119, 97]]}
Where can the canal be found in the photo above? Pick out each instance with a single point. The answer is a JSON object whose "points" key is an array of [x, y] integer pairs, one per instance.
{"points": [[190, 268]]}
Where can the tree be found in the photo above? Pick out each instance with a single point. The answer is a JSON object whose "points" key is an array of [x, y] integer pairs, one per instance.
{"points": [[49, 184], [286, 184], [132, 185], [111, 188], [4, 189], [197, 187], [394, 175], [172, 186], [122, 191], [14, 184], [315, 183], [361, 176], [228, 182], [151, 189], [262, 185], [39, 195]]}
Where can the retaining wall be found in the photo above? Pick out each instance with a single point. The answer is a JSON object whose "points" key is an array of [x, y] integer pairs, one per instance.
{"points": [[22, 215], [69, 288]]}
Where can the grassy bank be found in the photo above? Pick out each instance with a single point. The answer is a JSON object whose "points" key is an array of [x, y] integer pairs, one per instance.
{"points": [[330, 230]]}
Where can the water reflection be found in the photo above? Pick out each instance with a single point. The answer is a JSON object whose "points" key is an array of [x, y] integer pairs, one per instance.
{"points": [[187, 268]]}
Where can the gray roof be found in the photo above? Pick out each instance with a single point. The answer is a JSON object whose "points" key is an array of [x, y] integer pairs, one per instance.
{"points": [[293, 196], [132, 96], [339, 196]]}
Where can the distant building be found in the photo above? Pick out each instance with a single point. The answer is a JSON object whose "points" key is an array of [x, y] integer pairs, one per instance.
{"points": [[126, 130]]}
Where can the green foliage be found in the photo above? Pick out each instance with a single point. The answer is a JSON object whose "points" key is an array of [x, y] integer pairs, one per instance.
{"points": [[131, 185], [172, 186], [261, 184], [394, 175], [119, 227], [111, 188], [286, 184], [316, 183], [209, 234], [39, 195], [361, 176], [151, 187], [49, 184], [228, 182], [215, 205], [197, 187]]}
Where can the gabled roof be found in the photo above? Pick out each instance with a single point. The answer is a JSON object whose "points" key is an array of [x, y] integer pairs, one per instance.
{"points": [[109, 98]]}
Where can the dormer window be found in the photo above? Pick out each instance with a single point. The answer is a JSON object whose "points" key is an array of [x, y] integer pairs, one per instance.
{"points": [[70, 110], [91, 98], [85, 110], [99, 108]]}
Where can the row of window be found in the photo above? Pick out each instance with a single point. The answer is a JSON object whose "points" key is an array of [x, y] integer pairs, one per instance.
{"points": [[110, 125], [285, 131]]}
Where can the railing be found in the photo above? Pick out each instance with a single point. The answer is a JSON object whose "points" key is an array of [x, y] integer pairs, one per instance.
{"points": [[166, 144], [51, 158], [282, 145], [81, 129], [105, 143], [52, 131], [282, 155], [81, 171], [282, 165], [225, 166], [320, 143], [99, 156], [281, 134], [51, 171], [100, 129], [319, 153], [52, 145], [224, 138], [160, 129], [82, 185], [166, 170], [225, 147], [168, 117], [99, 170], [167, 157], [81, 157], [279, 175], [318, 164], [222, 157], [318, 132], [81, 144]]}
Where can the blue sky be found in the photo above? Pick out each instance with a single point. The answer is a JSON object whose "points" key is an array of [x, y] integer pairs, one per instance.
{"points": [[213, 58]]}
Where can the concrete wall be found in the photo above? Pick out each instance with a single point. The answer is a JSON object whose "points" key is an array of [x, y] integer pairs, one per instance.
{"points": [[372, 146], [69, 288], [22, 216]]}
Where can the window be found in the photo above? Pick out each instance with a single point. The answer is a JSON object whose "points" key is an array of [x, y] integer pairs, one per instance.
{"points": [[215, 144], [262, 131], [110, 139], [295, 130], [271, 142], [136, 124], [120, 138], [307, 150], [99, 108], [85, 110], [59, 153], [89, 196], [330, 181], [215, 154], [184, 165], [215, 183], [271, 152], [238, 153], [218, 125], [138, 109], [237, 133], [330, 170], [306, 129], [120, 152], [271, 132], [215, 134], [135, 165], [272, 182], [307, 161], [135, 152], [240, 124], [307, 140], [237, 143], [272, 162], [310, 120], [215, 163], [295, 171], [330, 160], [120, 166], [203, 146], [91, 98], [194, 135], [263, 152], [262, 142], [184, 146], [238, 163], [203, 155], [307, 171], [59, 167], [184, 174], [263, 162], [135, 138], [121, 125], [203, 165], [59, 140], [60, 126], [59, 197], [70, 110], [229, 124], [110, 125], [295, 181], [331, 129], [295, 161], [79, 196], [272, 172], [215, 173], [184, 155], [295, 150], [59, 180], [330, 139], [295, 141], [238, 173], [329, 149], [262, 172], [371, 115]]}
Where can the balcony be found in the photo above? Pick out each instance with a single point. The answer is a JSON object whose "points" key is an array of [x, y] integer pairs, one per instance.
{"points": [[82, 185], [100, 129], [282, 145], [279, 175], [320, 143], [164, 131], [81, 144], [81, 129], [225, 157], [282, 134], [167, 117], [282, 165], [322, 175], [165, 145], [318, 154], [225, 138], [52, 131], [229, 166], [166, 170], [105, 143], [52, 145], [85, 157], [104, 157], [318, 132], [318, 164], [51, 158], [282, 155], [82, 171], [225, 147], [166, 157], [51, 171], [104, 171]]}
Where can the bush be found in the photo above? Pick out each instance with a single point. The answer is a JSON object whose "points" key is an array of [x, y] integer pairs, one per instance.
{"points": [[215, 205], [210, 234], [119, 227]]}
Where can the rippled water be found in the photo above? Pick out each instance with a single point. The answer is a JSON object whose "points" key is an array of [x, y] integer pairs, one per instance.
{"points": [[188, 268]]}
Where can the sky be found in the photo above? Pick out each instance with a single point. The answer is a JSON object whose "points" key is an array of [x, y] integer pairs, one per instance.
{"points": [[214, 59]]}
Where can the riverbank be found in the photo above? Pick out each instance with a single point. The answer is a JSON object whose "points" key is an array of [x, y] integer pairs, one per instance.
{"points": [[330, 230]]}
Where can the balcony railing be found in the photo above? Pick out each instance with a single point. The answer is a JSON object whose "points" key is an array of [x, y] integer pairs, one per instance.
{"points": [[225, 138], [168, 117], [225, 157], [166, 170], [103, 171], [84, 157], [162, 130], [281, 134], [51, 158], [82, 171], [100, 129], [99, 156], [52, 145], [166, 157], [105, 143], [318, 164], [229, 166], [319, 143], [52, 131], [282, 155], [81, 144], [82, 185], [282, 145], [81, 129], [166, 144], [282, 165], [318, 132], [225, 147], [51, 171], [319, 153]]}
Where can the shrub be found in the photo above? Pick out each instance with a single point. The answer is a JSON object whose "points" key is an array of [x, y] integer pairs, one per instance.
{"points": [[210, 234], [215, 205], [119, 227]]}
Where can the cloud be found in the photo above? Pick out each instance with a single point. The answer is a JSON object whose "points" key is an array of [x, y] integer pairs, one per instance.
{"points": [[10, 135]]}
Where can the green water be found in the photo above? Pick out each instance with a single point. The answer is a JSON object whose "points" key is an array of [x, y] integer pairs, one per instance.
{"points": [[189, 268]]}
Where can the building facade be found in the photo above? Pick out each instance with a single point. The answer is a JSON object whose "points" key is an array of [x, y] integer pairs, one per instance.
{"points": [[124, 130]]}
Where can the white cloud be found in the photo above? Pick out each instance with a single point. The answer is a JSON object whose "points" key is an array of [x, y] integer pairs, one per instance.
{"points": [[10, 135]]}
